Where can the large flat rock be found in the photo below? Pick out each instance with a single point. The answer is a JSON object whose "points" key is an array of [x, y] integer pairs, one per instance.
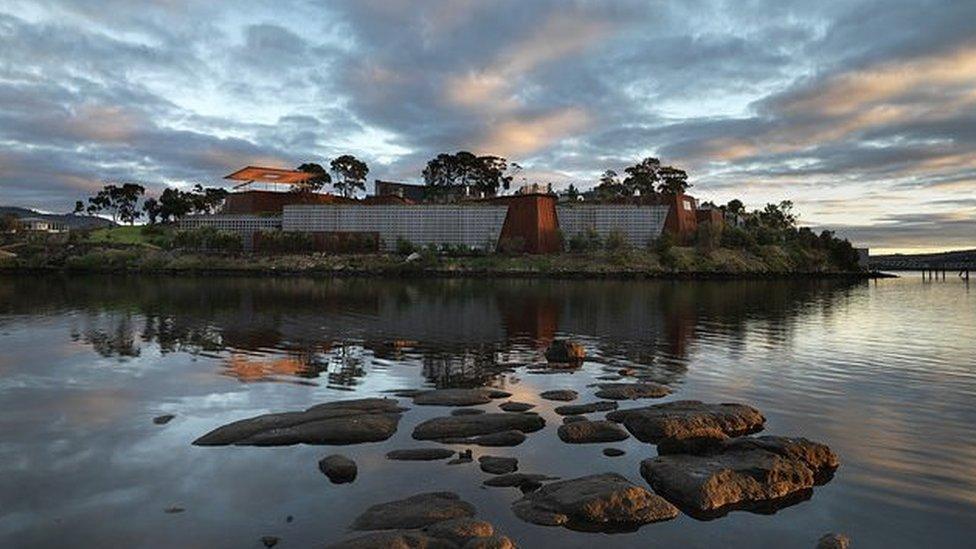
{"points": [[404, 539], [689, 419], [632, 391], [588, 408], [588, 432], [456, 427], [419, 454], [338, 468], [747, 472], [604, 502], [414, 512], [563, 395], [458, 397], [334, 423]]}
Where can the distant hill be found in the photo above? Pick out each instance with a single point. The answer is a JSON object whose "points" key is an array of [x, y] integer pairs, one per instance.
{"points": [[73, 222], [956, 259]]}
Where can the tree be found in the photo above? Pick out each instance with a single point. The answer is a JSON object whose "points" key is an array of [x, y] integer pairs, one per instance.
{"points": [[207, 200], [174, 204], [120, 201], [320, 178], [643, 176], [571, 193], [486, 174], [10, 223], [673, 180], [79, 207], [350, 174], [778, 217], [611, 187], [735, 206], [151, 207]]}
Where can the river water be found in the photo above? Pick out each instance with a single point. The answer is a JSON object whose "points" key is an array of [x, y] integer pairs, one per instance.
{"points": [[884, 372]]}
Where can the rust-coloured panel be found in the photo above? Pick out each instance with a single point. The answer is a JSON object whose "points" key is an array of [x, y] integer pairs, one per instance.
{"points": [[258, 202], [278, 176], [682, 221], [531, 218]]}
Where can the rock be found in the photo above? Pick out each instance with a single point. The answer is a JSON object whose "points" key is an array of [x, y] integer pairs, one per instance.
{"points": [[414, 512], [408, 539], [573, 419], [578, 409], [492, 542], [338, 468], [504, 438], [613, 452], [563, 350], [414, 256], [609, 377], [460, 530], [484, 424], [747, 472], [173, 510], [517, 480], [419, 454], [511, 406], [269, 541], [463, 457], [604, 502], [833, 541], [584, 432], [467, 412], [564, 395], [684, 419], [632, 391], [458, 397], [498, 465], [163, 419], [334, 423]]}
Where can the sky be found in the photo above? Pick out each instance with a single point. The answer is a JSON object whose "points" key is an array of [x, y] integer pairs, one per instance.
{"points": [[863, 113]]}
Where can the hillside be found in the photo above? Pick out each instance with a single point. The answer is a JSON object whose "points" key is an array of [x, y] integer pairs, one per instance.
{"points": [[73, 222]]}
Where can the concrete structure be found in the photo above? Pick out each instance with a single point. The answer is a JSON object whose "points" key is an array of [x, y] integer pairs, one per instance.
{"points": [[41, 225], [403, 190], [639, 224], [244, 224], [270, 202], [477, 225]]}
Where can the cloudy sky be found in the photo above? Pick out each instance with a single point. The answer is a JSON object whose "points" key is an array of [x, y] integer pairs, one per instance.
{"points": [[861, 112]]}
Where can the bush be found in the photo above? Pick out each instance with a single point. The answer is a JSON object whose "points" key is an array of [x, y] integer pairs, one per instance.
{"points": [[208, 238], [617, 242], [404, 246], [512, 245], [708, 236], [588, 241]]}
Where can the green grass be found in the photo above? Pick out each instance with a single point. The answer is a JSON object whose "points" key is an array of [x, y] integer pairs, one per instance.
{"points": [[118, 235]]}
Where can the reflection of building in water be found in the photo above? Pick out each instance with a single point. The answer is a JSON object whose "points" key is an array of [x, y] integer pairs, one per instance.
{"points": [[464, 369]]}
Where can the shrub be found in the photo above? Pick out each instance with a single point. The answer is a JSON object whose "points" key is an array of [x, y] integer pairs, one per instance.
{"points": [[708, 236], [404, 246], [512, 245], [588, 241], [208, 238], [616, 241]]}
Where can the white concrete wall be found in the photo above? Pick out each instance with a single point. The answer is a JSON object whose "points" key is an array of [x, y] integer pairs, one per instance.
{"points": [[638, 224], [422, 224], [236, 223]]}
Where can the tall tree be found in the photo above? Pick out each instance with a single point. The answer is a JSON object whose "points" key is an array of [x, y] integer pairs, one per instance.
{"points": [[611, 187], [350, 174], [174, 204], [571, 192], [673, 180], [152, 209], [643, 177], [126, 201], [207, 200], [320, 178], [735, 206], [486, 174], [79, 208]]}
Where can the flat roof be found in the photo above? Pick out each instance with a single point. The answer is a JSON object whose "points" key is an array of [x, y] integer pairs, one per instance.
{"points": [[278, 176]]}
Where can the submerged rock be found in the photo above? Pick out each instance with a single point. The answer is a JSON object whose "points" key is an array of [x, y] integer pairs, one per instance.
{"points": [[632, 391], [604, 502], [333, 423], [564, 395], [453, 427], [613, 452], [458, 397], [504, 438], [463, 457], [511, 406], [467, 412], [269, 541], [563, 350], [746, 472], [498, 465], [163, 419], [419, 454], [579, 409], [525, 481], [833, 541], [338, 468], [414, 512], [584, 432], [689, 419]]}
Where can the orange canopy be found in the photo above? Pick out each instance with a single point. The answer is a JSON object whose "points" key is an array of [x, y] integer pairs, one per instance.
{"points": [[276, 176]]}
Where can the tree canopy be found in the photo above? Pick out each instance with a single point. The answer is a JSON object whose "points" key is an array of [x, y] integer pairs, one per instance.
{"points": [[119, 201], [350, 174], [485, 174], [321, 178]]}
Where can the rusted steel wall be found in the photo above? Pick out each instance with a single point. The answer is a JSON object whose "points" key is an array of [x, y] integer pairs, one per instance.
{"points": [[532, 221], [711, 215], [682, 220], [254, 202]]}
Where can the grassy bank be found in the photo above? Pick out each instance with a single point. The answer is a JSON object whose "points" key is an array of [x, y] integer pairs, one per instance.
{"points": [[677, 262]]}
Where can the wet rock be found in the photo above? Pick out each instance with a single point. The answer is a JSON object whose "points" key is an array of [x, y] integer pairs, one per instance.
{"points": [[467, 412], [517, 480], [498, 465], [463, 457], [833, 541], [495, 440], [269, 541], [604, 502], [408, 539], [491, 542], [613, 452], [460, 530], [458, 397], [746, 473], [163, 419], [578, 409], [419, 454], [632, 391], [338, 468], [563, 350], [511, 406], [564, 395], [334, 423], [414, 512], [173, 510], [609, 377], [573, 419], [452, 427], [585, 432], [688, 419]]}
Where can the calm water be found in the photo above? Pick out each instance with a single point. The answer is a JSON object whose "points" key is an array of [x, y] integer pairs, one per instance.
{"points": [[884, 372]]}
